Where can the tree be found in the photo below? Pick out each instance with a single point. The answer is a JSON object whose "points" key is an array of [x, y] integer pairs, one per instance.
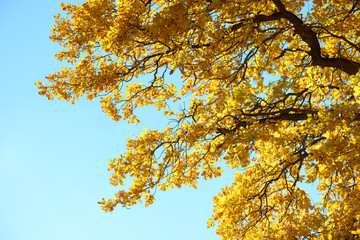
{"points": [[272, 90]]}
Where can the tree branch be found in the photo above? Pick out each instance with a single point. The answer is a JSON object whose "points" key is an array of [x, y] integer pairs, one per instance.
{"points": [[309, 36], [285, 116]]}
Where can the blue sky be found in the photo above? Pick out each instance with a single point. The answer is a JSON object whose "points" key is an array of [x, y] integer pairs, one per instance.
{"points": [[54, 155]]}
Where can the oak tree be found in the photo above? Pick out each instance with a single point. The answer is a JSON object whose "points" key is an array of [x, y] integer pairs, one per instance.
{"points": [[271, 90]]}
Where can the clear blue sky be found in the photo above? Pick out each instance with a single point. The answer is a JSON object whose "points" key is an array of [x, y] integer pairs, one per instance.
{"points": [[54, 155]]}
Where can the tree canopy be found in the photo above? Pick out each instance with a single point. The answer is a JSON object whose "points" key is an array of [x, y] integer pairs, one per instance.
{"points": [[271, 90]]}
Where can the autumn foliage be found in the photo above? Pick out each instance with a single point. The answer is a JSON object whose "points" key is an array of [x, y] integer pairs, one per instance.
{"points": [[271, 89]]}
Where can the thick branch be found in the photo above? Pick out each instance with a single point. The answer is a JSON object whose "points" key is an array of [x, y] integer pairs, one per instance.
{"points": [[310, 37], [294, 117], [258, 19], [287, 117]]}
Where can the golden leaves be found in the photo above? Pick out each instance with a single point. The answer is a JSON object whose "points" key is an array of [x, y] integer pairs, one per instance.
{"points": [[262, 88]]}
